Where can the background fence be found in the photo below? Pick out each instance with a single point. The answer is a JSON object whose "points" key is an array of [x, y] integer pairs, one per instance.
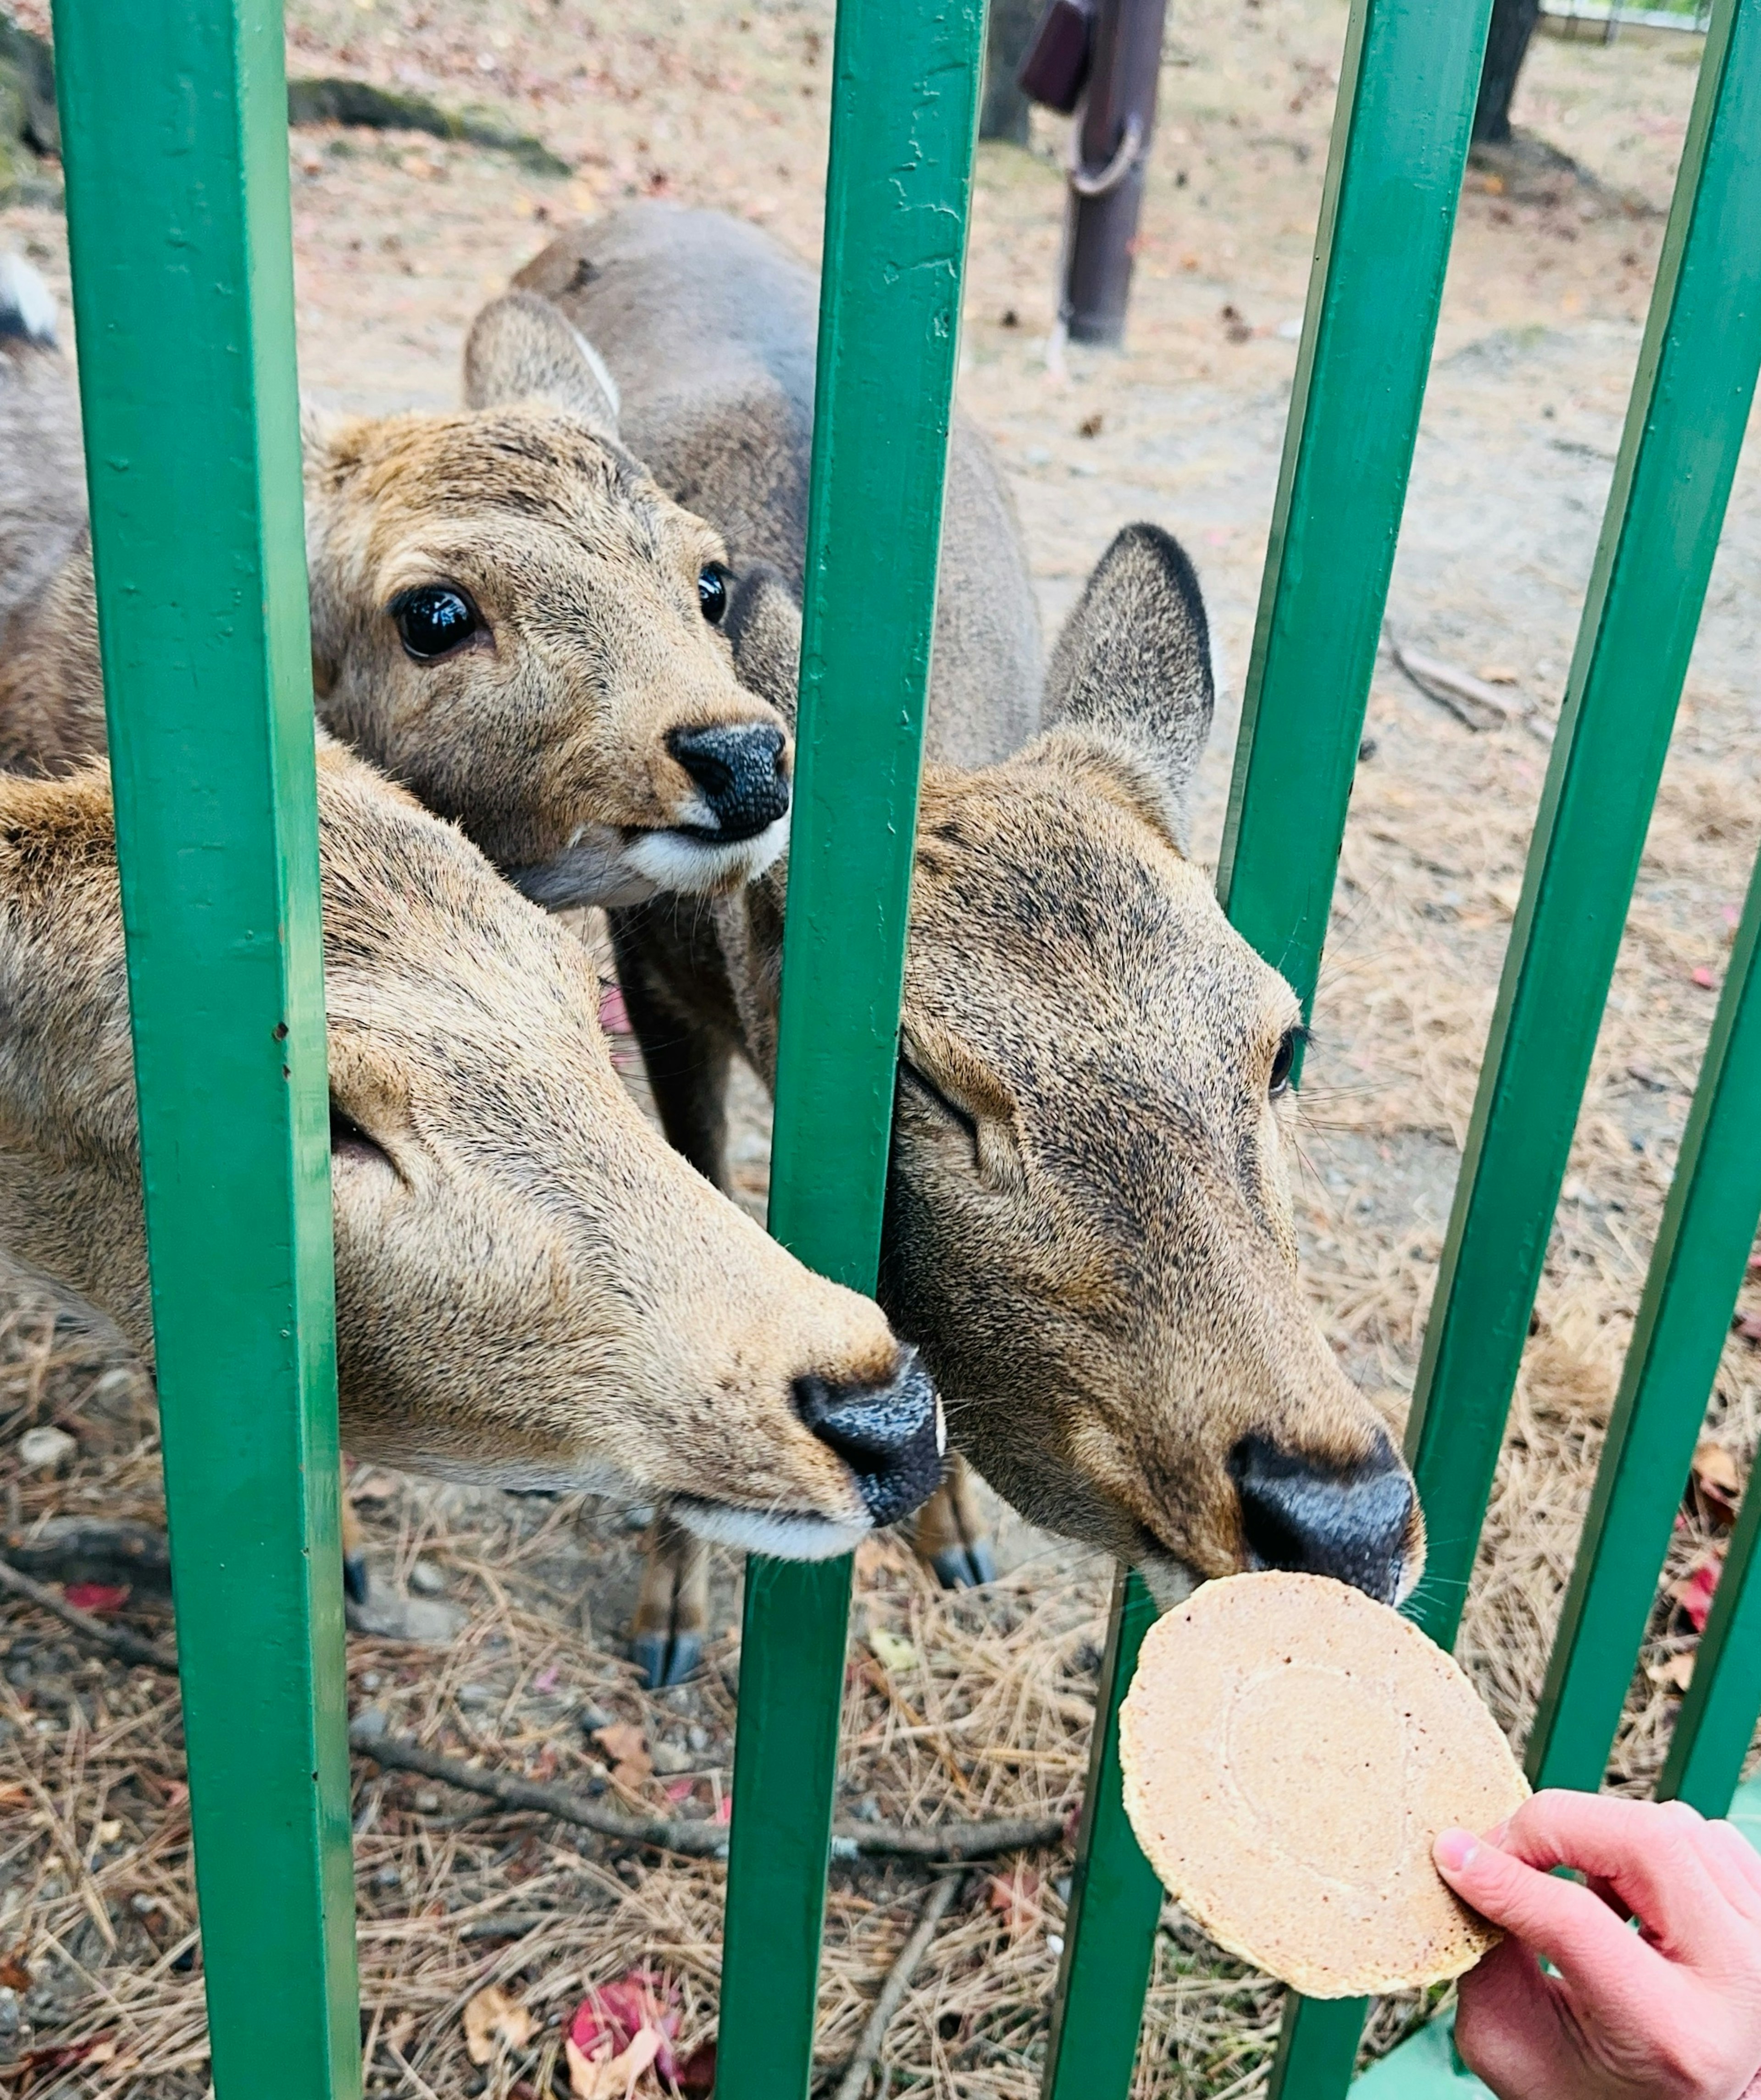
{"points": [[174, 119]]}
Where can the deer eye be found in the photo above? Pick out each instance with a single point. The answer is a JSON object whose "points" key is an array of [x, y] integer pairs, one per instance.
{"points": [[433, 620], [711, 593], [1284, 1061]]}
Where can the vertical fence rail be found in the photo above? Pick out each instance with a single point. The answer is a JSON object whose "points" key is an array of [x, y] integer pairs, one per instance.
{"points": [[1408, 78], [173, 117], [904, 113], [1684, 429]]}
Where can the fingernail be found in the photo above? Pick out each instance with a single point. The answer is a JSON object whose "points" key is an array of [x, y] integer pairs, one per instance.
{"points": [[1453, 1850]]}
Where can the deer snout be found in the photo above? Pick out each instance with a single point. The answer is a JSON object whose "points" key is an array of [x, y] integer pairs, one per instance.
{"points": [[1355, 1523], [740, 770], [891, 1436]]}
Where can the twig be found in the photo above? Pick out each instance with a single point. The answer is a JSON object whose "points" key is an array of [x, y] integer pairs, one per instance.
{"points": [[854, 2082], [945, 1842], [1474, 702], [129, 1646]]}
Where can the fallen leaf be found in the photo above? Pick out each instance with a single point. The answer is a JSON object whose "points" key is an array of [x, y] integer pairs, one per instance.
{"points": [[1704, 978], [1748, 1325], [493, 2021], [14, 1974], [621, 1741], [97, 1596], [1718, 1478], [696, 2074], [1675, 1675], [680, 1790], [615, 2078], [612, 2015], [1693, 1592], [892, 1651]]}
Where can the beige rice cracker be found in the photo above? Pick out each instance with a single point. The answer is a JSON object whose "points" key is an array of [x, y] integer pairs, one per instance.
{"points": [[1291, 1750]]}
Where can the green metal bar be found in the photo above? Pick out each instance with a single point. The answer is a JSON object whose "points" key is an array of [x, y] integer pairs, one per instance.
{"points": [[1684, 429], [173, 117], [1407, 83], [1115, 1899], [1408, 79], [1696, 1269], [1717, 1722], [904, 112]]}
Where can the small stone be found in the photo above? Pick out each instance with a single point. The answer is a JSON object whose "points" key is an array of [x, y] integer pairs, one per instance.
{"points": [[11, 2019], [427, 1580], [388, 1877], [41, 1449], [427, 1801], [371, 1721], [371, 1680], [670, 1759], [697, 1737]]}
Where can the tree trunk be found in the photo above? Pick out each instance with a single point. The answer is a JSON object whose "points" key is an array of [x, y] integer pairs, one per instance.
{"points": [[1513, 23], [1003, 113]]}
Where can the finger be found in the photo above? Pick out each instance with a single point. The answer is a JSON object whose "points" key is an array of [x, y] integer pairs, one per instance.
{"points": [[1734, 1865], [1580, 1935], [1648, 1854], [1508, 2026]]}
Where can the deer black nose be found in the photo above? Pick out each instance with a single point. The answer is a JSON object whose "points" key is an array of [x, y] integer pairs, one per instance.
{"points": [[1353, 1523], [889, 1435], [740, 771]]}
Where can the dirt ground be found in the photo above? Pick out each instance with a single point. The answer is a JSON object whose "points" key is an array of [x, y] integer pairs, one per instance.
{"points": [[986, 1708]]}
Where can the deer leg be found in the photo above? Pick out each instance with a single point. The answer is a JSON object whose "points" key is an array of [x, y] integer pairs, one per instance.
{"points": [[687, 1063], [672, 1605], [951, 1532], [353, 1554]]}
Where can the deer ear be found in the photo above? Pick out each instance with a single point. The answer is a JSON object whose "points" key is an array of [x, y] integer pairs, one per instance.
{"points": [[1132, 667], [764, 624], [520, 348]]}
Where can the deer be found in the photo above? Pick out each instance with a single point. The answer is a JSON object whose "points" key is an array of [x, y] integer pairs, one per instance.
{"points": [[1088, 1231], [508, 615], [533, 1291]]}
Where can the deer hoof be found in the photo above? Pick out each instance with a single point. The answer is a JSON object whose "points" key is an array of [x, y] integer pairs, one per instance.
{"points": [[965, 1567], [666, 1659]]}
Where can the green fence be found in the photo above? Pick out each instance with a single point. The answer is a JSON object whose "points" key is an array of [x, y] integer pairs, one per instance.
{"points": [[174, 119]]}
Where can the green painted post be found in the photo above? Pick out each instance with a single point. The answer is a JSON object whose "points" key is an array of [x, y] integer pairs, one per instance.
{"points": [[904, 111], [1717, 1722], [1684, 429], [1115, 1899], [1696, 1269], [1408, 79], [174, 119]]}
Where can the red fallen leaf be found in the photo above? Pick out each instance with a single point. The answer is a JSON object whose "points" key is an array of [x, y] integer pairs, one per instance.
{"points": [[1693, 1592], [680, 1790], [1748, 1325], [1705, 979], [724, 1809], [97, 1596], [696, 2076], [611, 2015]]}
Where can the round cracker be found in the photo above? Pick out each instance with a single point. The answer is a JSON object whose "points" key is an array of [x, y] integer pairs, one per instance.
{"points": [[1291, 1750]]}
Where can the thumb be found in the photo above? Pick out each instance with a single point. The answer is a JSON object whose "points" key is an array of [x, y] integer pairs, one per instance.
{"points": [[1576, 1932]]}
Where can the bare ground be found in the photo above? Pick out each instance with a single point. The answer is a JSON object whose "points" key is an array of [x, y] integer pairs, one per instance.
{"points": [[397, 239]]}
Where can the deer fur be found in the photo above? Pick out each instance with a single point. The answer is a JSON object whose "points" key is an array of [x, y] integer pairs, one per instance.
{"points": [[1088, 1229], [587, 733], [532, 1289]]}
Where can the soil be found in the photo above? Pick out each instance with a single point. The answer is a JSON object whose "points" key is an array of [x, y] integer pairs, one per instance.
{"points": [[398, 238]]}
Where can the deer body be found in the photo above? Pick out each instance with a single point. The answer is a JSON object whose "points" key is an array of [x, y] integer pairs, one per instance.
{"points": [[1088, 1229]]}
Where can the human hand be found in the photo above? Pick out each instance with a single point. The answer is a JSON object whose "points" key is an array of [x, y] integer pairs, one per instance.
{"points": [[1672, 2012]]}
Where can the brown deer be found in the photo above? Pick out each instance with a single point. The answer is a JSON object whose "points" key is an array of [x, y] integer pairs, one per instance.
{"points": [[1088, 1229], [532, 1289], [508, 615]]}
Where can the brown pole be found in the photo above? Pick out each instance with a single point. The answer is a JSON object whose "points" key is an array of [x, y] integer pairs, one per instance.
{"points": [[1107, 184]]}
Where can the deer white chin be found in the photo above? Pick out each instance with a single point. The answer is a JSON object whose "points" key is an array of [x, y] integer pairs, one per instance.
{"points": [[681, 860], [603, 865], [785, 1536]]}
